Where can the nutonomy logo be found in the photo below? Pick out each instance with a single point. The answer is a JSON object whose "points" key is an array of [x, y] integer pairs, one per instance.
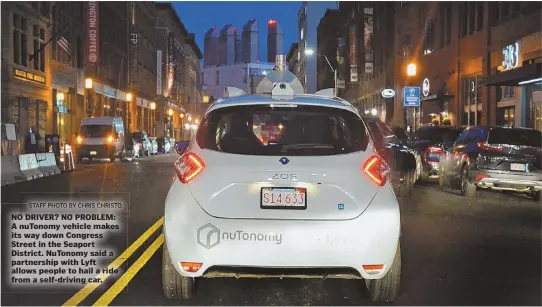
{"points": [[208, 236]]}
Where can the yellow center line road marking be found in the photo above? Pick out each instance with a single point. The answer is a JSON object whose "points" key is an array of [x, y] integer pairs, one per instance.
{"points": [[121, 283], [89, 287]]}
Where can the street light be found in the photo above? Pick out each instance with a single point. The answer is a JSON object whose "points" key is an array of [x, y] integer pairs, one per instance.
{"points": [[153, 105], [196, 121], [310, 52], [189, 118], [374, 111], [129, 97], [88, 83], [411, 69], [60, 96], [170, 112], [181, 115]]}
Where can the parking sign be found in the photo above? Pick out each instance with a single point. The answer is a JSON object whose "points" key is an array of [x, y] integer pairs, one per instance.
{"points": [[411, 96]]}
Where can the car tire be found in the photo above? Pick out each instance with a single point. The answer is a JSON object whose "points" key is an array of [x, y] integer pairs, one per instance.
{"points": [[175, 285], [467, 188], [442, 180], [386, 289], [405, 189], [536, 195]]}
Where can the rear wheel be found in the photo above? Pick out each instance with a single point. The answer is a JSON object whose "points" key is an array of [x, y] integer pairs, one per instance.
{"points": [[386, 289], [175, 285], [442, 180], [536, 195], [405, 187], [467, 188]]}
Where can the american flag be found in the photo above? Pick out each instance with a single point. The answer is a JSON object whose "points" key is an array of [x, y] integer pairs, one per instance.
{"points": [[64, 44]]}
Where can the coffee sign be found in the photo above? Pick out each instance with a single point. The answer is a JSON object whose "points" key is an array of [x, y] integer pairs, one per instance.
{"points": [[511, 56]]}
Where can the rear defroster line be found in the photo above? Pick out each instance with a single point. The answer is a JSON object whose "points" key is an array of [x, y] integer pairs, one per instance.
{"points": [[78, 297]]}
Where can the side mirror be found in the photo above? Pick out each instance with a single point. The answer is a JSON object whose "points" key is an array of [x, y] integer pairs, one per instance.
{"points": [[181, 147]]}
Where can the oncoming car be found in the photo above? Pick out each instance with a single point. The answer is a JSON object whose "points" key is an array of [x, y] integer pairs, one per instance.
{"points": [[313, 201]]}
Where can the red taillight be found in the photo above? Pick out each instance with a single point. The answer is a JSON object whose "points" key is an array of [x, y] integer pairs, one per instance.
{"points": [[480, 177], [191, 267], [376, 169], [188, 167], [485, 146]]}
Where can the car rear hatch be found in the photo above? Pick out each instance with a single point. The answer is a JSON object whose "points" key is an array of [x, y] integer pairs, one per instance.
{"points": [[433, 142], [511, 149], [313, 171]]}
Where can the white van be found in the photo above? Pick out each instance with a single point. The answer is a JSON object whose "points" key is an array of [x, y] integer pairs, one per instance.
{"points": [[100, 137]]}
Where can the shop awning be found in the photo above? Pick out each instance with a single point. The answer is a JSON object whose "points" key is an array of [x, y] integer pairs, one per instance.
{"points": [[513, 77]]}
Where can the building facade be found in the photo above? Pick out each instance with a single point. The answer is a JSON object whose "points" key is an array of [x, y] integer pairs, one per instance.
{"points": [[292, 58], [327, 36], [251, 42], [471, 59], [178, 72], [226, 45], [245, 76], [211, 57], [309, 16], [275, 40], [26, 71]]}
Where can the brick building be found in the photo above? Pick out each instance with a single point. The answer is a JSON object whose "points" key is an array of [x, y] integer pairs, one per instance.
{"points": [[26, 80], [458, 50]]}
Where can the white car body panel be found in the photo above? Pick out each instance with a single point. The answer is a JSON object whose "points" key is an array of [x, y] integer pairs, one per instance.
{"points": [[203, 219]]}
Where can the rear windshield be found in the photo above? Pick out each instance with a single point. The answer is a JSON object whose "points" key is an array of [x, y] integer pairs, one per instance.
{"points": [[515, 137], [438, 135], [96, 131], [301, 131]]}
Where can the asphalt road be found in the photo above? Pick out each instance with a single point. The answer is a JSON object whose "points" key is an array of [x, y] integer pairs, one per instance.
{"points": [[456, 251]]}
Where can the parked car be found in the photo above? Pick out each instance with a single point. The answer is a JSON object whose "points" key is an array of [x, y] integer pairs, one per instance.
{"points": [[100, 137], [400, 159], [495, 158], [141, 141], [428, 144]]}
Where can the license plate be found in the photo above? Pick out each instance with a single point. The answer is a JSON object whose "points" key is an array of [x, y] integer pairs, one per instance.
{"points": [[517, 167], [93, 153], [283, 198]]}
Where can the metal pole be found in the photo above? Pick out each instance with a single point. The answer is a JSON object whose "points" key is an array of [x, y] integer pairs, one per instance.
{"points": [[476, 101], [468, 113], [334, 76]]}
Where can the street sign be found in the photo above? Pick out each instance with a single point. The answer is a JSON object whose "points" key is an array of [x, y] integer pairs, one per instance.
{"points": [[411, 96]]}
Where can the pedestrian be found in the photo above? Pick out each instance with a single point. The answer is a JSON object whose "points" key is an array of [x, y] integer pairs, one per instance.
{"points": [[32, 140]]}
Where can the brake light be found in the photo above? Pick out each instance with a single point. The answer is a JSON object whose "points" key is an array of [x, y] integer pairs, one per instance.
{"points": [[486, 146], [480, 177], [376, 169], [188, 167], [191, 267]]}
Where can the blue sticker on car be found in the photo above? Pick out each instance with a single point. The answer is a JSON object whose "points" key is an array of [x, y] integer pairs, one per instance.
{"points": [[340, 206]]}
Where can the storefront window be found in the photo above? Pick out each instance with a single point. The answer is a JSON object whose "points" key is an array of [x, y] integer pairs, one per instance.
{"points": [[506, 116]]}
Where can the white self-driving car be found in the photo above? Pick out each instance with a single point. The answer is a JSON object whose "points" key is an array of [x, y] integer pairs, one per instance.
{"points": [[281, 185]]}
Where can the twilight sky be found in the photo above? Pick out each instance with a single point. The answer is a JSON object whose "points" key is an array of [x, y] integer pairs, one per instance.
{"points": [[199, 16]]}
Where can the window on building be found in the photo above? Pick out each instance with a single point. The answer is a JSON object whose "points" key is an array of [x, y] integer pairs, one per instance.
{"points": [[217, 77], [463, 15], [442, 18], [20, 50], [471, 8], [429, 40], [537, 87], [301, 34], [480, 15], [39, 50], [508, 92], [448, 24]]}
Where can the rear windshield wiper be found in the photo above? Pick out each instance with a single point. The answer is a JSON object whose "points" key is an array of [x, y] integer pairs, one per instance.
{"points": [[307, 146]]}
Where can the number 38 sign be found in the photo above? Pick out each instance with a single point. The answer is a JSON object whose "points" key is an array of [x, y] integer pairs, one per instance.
{"points": [[511, 56]]}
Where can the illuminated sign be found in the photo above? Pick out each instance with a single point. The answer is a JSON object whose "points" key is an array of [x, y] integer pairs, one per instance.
{"points": [[388, 93], [27, 76], [425, 87], [511, 56]]}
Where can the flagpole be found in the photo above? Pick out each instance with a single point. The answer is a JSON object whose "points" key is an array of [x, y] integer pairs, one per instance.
{"points": [[31, 58]]}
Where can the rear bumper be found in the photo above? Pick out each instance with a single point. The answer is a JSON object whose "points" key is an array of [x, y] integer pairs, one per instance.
{"points": [[507, 181], [431, 169], [194, 236], [95, 151]]}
